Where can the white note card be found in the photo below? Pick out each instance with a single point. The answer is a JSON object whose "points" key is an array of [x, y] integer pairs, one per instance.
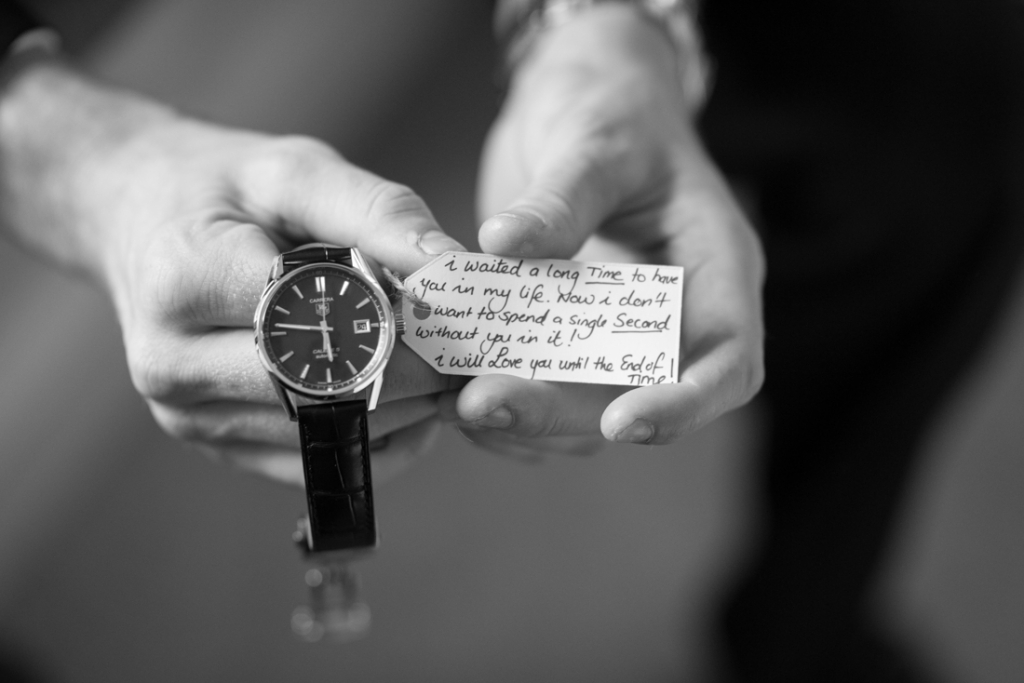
{"points": [[563, 321]]}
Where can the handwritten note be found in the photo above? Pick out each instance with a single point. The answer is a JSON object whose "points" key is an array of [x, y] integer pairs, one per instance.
{"points": [[567, 321]]}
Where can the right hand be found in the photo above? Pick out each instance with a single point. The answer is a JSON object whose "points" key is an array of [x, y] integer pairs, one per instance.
{"points": [[595, 157], [180, 220]]}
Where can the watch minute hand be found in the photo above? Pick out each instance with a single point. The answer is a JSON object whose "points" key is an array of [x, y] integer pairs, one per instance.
{"points": [[327, 340], [315, 328]]}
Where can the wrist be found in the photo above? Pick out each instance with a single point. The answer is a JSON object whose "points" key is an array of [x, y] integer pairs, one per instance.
{"points": [[62, 140], [606, 60], [648, 39]]}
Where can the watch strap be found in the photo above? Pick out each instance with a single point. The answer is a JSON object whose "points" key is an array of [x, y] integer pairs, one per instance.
{"points": [[336, 465], [318, 253]]}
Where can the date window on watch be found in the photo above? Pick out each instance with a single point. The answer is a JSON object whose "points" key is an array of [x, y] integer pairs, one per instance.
{"points": [[361, 326]]}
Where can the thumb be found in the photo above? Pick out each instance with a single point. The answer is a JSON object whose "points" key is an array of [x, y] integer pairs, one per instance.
{"points": [[311, 193], [563, 204]]}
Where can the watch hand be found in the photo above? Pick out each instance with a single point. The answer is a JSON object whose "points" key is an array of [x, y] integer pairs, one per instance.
{"points": [[327, 340], [289, 326]]}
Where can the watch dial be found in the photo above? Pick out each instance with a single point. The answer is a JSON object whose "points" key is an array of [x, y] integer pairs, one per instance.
{"points": [[322, 328]]}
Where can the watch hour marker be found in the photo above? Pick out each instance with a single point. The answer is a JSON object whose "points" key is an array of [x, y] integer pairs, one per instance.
{"points": [[321, 284], [329, 380], [344, 288], [374, 324], [351, 368], [363, 302], [305, 371], [283, 310], [286, 356], [277, 334], [366, 348], [298, 292]]}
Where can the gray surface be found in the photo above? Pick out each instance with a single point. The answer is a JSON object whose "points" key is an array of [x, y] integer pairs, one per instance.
{"points": [[126, 557]]}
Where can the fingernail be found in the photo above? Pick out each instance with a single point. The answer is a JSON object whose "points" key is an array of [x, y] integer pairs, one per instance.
{"points": [[512, 233], [640, 431], [465, 432], [436, 242], [499, 418], [521, 221]]}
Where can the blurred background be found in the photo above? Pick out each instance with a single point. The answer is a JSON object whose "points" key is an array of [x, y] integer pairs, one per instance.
{"points": [[125, 556]]}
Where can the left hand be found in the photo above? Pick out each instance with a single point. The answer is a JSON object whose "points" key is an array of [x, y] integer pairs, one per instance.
{"points": [[594, 156]]}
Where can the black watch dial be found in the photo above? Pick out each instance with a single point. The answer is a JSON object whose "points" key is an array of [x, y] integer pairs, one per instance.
{"points": [[323, 328]]}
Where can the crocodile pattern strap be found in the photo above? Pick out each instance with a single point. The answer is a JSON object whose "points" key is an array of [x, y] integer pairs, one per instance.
{"points": [[320, 253], [336, 464]]}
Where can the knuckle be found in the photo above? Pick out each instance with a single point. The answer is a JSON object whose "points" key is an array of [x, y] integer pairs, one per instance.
{"points": [[556, 203], [193, 275], [610, 152], [292, 155], [158, 374], [686, 424], [178, 423], [160, 281], [171, 290], [535, 421], [148, 371], [386, 199], [284, 159]]}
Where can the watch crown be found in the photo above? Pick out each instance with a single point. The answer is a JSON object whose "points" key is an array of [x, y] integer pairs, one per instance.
{"points": [[399, 323]]}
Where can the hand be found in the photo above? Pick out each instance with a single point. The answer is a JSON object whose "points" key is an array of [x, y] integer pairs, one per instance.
{"points": [[594, 156], [180, 220]]}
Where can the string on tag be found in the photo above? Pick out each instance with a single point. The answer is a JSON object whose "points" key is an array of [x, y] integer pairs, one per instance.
{"points": [[403, 291]]}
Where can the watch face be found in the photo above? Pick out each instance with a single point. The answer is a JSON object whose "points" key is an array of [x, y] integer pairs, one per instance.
{"points": [[324, 329]]}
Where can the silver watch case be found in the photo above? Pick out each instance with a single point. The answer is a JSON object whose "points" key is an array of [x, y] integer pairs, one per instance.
{"points": [[293, 396]]}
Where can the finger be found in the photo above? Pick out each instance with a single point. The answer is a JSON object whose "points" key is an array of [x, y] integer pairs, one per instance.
{"points": [[571, 193], [716, 383], [231, 422], [307, 190], [529, 408], [409, 375], [205, 272], [722, 330], [531, 449], [397, 415], [222, 365], [277, 463], [403, 448], [394, 454]]}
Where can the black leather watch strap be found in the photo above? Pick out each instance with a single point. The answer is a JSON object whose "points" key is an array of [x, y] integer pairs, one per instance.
{"points": [[336, 463], [317, 254]]}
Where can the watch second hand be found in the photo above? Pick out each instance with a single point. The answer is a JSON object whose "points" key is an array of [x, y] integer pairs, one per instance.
{"points": [[317, 328]]}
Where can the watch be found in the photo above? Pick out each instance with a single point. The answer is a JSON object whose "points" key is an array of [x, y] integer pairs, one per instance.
{"points": [[325, 331]]}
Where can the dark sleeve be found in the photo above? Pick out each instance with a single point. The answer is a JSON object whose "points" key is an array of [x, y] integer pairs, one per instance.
{"points": [[14, 21]]}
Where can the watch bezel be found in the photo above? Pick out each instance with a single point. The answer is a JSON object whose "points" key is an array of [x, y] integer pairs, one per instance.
{"points": [[365, 377]]}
